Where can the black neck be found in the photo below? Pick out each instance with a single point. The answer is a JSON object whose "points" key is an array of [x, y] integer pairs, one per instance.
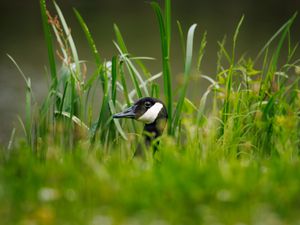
{"points": [[151, 132]]}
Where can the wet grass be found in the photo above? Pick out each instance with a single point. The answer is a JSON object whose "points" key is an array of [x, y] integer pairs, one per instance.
{"points": [[230, 158]]}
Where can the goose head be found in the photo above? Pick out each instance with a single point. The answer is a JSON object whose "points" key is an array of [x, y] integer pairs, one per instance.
{"points": [[150, 111]]}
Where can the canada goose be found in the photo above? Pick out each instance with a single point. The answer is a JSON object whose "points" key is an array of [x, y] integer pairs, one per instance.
{"points": [[153, 113]]}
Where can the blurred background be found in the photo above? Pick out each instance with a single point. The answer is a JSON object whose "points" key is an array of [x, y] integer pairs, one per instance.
{"points": [[22, 38]]}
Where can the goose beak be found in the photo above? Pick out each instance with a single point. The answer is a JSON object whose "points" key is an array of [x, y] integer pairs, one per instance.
{"points": [[127, 113]]}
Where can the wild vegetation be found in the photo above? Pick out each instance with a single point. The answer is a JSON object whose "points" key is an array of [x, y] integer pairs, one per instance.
{"points": [[230, 158]]}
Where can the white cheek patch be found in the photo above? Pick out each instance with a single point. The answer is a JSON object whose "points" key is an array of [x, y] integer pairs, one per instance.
{"points": [[151, 114]]}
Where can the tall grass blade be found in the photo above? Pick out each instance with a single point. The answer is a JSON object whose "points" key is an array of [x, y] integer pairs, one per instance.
{"points": [[114, 79], [182, 39], [116, 121], [73, 98], [223, 52], [89, 38], [187, 73], [28, 111], [189, 50], [27, 101], [164, 38], [22, 126], [168, 22], [60, 40], [75, 119], [236, 33], [220, 55], [19, 69], [144, 84], [201, 108], [48, 37], [143, 67], [155, 90], [274, 60], [134, 74], [281, 41], [120, 39], [282, 28], [102, 119], [229, 77], [11, 140], [61, 107], [68, 34], [201, 50], [124, 85]]}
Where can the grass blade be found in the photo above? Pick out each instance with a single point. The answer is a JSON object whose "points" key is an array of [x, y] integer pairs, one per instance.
{"points": [[114, 79], [67, 31], [187, 73], [11, 140], [201, 108], [274, 60], [201, 50], [134, 75], [116, 121], [144, 84], [28, 98], [168, 21], [155, 90], [164, 38], [89, 37], [48, 37], [282, 28], [120, 39], [189, 50], [124, 85], [237, 30], [75, 119], [28, 111], [182, 39]]}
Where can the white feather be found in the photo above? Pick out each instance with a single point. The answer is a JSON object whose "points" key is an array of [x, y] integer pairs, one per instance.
{"points": [[151, 114]]}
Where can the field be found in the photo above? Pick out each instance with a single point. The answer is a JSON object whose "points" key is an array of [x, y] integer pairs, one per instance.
{"points": [[230, 158]]}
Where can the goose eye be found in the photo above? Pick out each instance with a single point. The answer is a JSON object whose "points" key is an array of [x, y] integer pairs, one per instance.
{"points": [[147, 104]]}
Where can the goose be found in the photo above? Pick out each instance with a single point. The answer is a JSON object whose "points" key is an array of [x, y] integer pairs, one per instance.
{"points": [[153, 113]]}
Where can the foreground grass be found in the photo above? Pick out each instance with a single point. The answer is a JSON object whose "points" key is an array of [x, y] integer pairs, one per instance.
{"points": [[80, 188], [236, 163]]}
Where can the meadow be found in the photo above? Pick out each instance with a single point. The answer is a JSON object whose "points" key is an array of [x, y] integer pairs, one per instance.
{"points": [[232, 157]]}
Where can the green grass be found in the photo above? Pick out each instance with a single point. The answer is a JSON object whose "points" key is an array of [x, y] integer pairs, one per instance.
{"points": [[80, 188], [232, 157]]}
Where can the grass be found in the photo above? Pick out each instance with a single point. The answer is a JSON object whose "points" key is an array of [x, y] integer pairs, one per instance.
{"points": [[81, 189], [230, 158]]}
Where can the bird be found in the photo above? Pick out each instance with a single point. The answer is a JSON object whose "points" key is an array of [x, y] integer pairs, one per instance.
{"points": [[153, 113]]}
